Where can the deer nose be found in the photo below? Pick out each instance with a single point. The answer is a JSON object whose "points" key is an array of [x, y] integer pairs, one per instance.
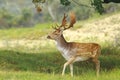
{"points": [[48, 37]]}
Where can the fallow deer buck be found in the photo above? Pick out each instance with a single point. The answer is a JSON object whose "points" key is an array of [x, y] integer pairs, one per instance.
{"points": [[73, 51]]}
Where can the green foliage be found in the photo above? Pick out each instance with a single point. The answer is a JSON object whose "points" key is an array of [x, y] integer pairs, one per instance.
{"points": [[38, 1], [25, 19], [98, 6], [65, 2], [5, 17], [9, 20], [108, 1], [26, 14], [96, 3]]}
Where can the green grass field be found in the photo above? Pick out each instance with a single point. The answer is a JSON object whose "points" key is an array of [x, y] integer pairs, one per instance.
{"points": [[35, 32], [46, 63]]}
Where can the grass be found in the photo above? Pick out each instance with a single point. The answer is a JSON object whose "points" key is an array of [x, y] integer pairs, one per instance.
{"points": [[48, 63], [43, 76], [93, 18], [35, 32]]}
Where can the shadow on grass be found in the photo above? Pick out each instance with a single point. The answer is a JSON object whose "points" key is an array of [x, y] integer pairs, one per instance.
{"points": [[50, 62], [40, 62], [110, 58]]}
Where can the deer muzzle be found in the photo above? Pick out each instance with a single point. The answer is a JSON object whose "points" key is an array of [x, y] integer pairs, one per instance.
{"points": [[48, 37]]}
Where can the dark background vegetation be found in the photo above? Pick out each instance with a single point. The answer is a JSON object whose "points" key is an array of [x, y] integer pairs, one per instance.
{"points": [[22, 13]]}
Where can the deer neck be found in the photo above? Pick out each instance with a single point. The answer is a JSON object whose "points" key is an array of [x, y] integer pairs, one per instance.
{"points": [[61, 42]]}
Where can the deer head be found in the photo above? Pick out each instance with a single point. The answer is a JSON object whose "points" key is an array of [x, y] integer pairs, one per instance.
{"points": [[59, 29]]}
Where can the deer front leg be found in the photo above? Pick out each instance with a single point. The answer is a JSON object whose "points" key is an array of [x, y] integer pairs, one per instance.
{"points": [[68, 63]]}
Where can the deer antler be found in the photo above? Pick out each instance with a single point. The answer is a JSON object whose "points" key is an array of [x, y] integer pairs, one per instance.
{"points": [[64, 22], [72, 21], [56, 27]]}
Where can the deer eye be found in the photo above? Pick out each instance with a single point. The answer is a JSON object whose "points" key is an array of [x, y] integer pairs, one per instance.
{"points": [[56, 34]]}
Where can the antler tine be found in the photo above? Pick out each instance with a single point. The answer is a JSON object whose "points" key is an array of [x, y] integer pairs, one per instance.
{"points": [[56, 27], [64, 21], [72, 20]]}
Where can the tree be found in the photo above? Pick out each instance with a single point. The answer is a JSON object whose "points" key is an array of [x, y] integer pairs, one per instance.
{"points": [[108, 1], [97, 4]]}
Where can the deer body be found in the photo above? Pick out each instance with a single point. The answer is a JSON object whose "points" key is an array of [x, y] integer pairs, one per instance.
{"points": [[73, 51], [82, 51]]}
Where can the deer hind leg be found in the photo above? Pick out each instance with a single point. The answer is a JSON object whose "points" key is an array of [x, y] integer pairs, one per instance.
{"points": [[69, 62], [97, 65], [71, 69]]}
